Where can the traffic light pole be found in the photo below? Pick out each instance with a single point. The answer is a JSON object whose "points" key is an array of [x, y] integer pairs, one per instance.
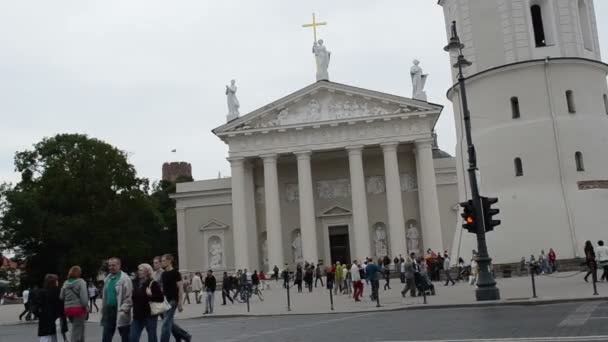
{"points": [[486, 285]]}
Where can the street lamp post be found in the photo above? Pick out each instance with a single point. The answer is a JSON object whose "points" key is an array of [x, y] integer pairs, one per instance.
{"points": [[486, 285]]}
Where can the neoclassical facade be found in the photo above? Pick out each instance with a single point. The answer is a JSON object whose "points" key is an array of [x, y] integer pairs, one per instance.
{"points": [[328, 173]]}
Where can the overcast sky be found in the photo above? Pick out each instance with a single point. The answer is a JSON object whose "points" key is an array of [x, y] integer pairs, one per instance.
{"points": [[148, 76]]}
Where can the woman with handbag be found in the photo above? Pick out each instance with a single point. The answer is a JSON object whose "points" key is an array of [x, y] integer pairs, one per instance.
{"points": [[148, 303], [75, 298]]}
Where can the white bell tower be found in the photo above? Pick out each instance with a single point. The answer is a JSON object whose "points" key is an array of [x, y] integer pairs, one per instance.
{"points": [[538, 99]]}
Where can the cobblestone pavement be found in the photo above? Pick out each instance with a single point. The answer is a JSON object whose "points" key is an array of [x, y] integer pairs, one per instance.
{"points": [[559, 286], [569, 322]]}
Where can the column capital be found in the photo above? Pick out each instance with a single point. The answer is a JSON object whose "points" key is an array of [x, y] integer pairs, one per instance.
{"points": [[424, 143], [357, 149], [269, 157], [388, 147], [301, 155], [236, 160]]}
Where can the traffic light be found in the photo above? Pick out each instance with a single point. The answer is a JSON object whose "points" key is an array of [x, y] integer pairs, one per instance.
{"points": [[489, 212], [468, 215]]}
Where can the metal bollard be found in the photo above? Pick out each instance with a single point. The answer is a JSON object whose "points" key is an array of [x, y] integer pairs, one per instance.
{"points": [[424, 295], [331, 299], [248, 297], [533, 283], [594, 276], [288, 299]]}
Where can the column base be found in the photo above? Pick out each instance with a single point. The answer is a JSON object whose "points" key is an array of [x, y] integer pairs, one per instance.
{"points": [[483, 294]]}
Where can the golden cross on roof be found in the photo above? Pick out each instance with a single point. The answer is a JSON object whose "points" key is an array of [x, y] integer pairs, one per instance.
{"points": [[314, 25]]}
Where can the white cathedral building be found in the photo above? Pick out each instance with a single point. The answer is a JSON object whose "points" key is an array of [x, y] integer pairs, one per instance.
{"points": [[335, 173]]}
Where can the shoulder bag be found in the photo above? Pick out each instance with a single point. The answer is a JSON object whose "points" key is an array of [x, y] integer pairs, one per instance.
{"points": [[157, 308]]}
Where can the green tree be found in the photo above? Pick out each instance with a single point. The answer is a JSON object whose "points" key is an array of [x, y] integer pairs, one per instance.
{"points": [[79, 201]]}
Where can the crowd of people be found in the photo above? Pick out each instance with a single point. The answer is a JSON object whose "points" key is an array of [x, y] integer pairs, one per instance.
{"points": [[128, 304]]}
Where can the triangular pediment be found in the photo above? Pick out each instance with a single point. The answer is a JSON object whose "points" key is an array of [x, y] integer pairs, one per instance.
{"points": [[327, 102], [335, 211], [213, 225]]}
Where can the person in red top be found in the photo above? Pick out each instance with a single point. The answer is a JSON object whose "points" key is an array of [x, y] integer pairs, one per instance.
{"points": [[552, 260]]}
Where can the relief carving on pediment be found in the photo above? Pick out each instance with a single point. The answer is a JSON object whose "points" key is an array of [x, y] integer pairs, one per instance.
{"points": [[327, 108]]}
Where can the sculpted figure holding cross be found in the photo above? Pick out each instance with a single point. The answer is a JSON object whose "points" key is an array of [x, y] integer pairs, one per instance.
{"points": [[322, 56]]}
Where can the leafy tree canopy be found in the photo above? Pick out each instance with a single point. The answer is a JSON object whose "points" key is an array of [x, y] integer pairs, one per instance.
{"points": [[79, 202]]}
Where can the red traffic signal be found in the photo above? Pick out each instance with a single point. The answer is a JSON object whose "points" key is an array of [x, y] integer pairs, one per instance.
{"points": [[468, 215]]}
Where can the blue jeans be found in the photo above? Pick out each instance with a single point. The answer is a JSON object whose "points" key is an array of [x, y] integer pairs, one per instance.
{"points": [[169, 327], [138, 325]]}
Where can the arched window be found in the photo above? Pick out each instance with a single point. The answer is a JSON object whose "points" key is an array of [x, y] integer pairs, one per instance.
{"points": [[519, 169], [539, 27], [515, 108], [583, 15], [606, 103], [570, 102], [580, 165]]}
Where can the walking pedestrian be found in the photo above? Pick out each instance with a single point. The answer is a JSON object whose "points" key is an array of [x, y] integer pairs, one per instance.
{"points": [[226, 286], [356, 279], [590, 261], [172, 287], [319, 274], [75, 299], [446, 269], [210, 285], [49, 308], [339, 278], [348, 280], [285, 275], [474, 272], [408, 273], [158, 269], [197, 287], [387, 273], [308, 277], [299, 277], [275, 273], [116, 302], [92, 290], [601, 254], [372, 271], [552, 260], [25, 295], [145, 290], [187, 288]]}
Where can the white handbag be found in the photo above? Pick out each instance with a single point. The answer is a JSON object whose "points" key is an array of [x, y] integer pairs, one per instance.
{"points": [[157, 308]]}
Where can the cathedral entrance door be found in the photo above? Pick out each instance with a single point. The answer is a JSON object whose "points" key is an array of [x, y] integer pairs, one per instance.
{"points": [[339, 245]]}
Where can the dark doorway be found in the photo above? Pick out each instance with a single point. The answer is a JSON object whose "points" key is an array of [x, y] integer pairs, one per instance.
{"points": [[339, 245]]}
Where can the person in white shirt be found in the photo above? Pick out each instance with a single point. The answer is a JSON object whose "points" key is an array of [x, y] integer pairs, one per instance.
{"points": [[356, 279], [26, 304], [197, 287], [601, 257]]}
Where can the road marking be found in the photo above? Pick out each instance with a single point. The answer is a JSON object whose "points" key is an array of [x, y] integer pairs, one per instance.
{"points": [[580, 316], [525, 339]]}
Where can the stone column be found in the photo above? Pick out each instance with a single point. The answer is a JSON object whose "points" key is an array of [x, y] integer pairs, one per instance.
{"points": [[359, 201], [394, 201], [274, 230], [308, 225], [252, 227], [182, 239], [239, 213], [427, 196]]}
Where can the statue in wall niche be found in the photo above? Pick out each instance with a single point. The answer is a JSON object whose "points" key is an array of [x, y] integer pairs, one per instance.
{"points": [[380, 242], [418, 81], [322, 57], [215, 253], [233, 102], [413, 239], [296, 245]]}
